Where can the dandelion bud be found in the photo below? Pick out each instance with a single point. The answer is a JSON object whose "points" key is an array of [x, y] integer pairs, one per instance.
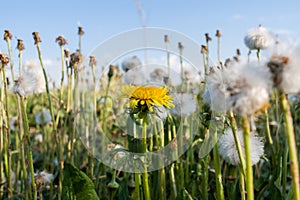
{"points": [[111, 71], [203, 49], [36, 37], [218, 33], [4, 59], [20, 45], [166, 39], [207, 38], [80, 30], [61, 40], [93, 61], [7, 35], [67, 53]]}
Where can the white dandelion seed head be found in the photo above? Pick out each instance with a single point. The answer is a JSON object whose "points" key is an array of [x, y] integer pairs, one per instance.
{"points": [[43, 178], [243, 88], [131, 63], [135, 76], [158, 75], [258, 38], [228, 150], [31, 81], [13, 123], [191, 76], [43, 117], [38, 138], [185, 104], [284, 67]]}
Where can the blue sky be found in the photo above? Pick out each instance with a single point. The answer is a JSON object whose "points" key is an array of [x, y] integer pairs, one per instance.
{"points": [[103, 19]]}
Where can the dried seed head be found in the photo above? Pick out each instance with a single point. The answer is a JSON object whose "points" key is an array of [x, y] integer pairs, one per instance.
{"points": [[7, 35], [75, 58], [36, 37], [180, 46], [166, 39], [67, 53], [61, 40], [4, 59], [276, 66], [238, 52], [80, 30], [211, 70], [110, 71], [218, 33], [93, 61], [20, 45], [207, 38], [203, 49]]}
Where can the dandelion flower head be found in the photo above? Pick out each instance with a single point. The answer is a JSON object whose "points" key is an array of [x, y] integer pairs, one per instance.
{"points": [[147, 98]]}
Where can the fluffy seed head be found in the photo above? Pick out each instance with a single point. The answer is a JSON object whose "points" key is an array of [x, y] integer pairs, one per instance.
{"points": [[258, 38], [228, 150]]}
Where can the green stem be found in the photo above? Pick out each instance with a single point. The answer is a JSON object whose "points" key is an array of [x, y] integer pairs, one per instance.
{"points": [[137, 180], [10, 58], [237, 141], [8, 136], [289, 130], [62, 74], [218, 174], [145, 173], [242, 184], [284, 170], [249, 172], [29, 152], [53, 119]]}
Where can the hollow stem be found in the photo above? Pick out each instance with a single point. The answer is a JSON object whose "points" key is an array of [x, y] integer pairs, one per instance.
{"points": [[289, 131], [249, 172]]}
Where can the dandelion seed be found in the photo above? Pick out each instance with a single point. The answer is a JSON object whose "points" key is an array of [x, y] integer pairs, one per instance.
{"points": [[284, 67], [158, 75], [43, 117], [38, 138], [43, 178], [228, 150], [258, 38], [131, 63], [191, 76], [13, 122], [185, 104], [241, 88], [32, 80]]}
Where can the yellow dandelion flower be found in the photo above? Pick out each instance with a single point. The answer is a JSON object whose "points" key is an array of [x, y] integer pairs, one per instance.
{"points": [[144, 98]]}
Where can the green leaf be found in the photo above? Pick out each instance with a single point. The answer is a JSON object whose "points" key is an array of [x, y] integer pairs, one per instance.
{"points": [[77, 185]]}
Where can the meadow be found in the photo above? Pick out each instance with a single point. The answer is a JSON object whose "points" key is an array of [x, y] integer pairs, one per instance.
{"points": [[227, 131]]}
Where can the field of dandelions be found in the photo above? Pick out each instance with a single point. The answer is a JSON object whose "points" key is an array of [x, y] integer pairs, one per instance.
{"points": [[240, 118]]}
